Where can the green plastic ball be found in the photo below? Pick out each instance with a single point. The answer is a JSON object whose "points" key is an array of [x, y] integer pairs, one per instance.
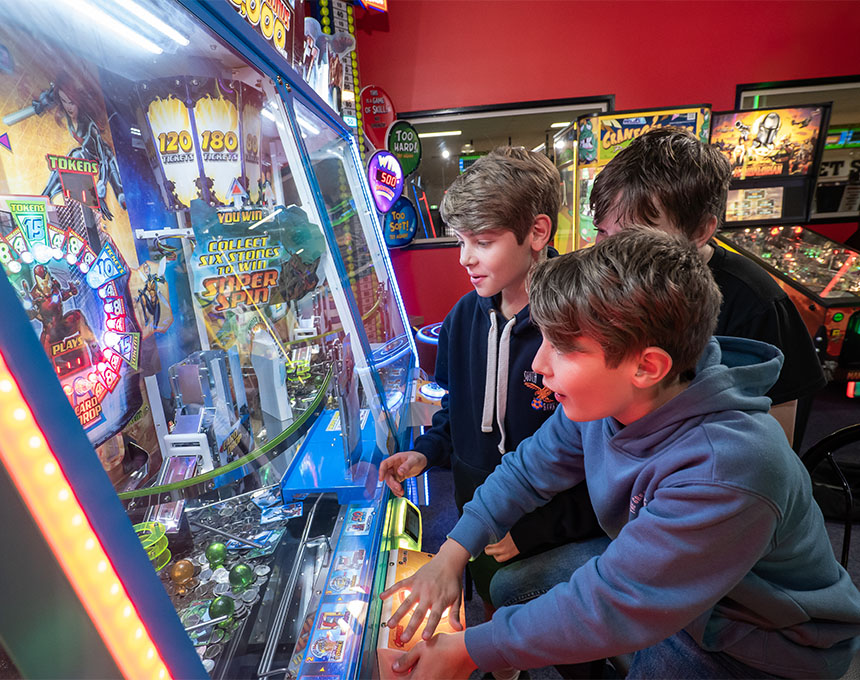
{"points": [[216, 553], [241, 576], [221, 606]]}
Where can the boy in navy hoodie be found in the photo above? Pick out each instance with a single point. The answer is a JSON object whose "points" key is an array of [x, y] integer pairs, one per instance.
{"points": [[504, 211], [719, 565]]}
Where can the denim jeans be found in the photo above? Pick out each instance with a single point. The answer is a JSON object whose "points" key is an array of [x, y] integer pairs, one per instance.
{"points": [[680, 658], [675, 658], [527, 579]]}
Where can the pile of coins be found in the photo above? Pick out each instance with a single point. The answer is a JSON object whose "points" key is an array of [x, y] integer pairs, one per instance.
{"points": [[211, 581]]}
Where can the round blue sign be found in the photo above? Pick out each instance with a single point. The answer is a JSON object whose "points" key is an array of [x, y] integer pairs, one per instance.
{"points": [[386, 179], [400, 224]]}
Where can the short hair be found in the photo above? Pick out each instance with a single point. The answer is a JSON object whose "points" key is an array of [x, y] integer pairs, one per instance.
{"points": [[639, 288], [506, 189], [665, 170]]}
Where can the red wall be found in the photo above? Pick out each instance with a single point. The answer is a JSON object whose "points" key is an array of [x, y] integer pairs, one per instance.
{"points": [[430, 54], [431, 281]]}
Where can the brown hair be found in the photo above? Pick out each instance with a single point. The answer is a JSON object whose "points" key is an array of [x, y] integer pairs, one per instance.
{"points": [[506, 189], [639, 288], [665, 170]]}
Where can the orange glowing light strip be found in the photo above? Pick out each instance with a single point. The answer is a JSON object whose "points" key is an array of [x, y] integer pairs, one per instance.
{"points": [[52, 502]]}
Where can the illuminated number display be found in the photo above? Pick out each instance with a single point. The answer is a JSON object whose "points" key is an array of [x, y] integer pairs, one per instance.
{"points": [[175, 142], [216, 140]]}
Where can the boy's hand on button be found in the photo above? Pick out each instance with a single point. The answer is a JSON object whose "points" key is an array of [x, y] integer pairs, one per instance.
{"points": [[399, 466], [504, 550], [443, 656], [433, 589]]}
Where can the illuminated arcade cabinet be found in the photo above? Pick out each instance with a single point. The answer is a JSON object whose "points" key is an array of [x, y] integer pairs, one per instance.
{"points": [[203, 355]]}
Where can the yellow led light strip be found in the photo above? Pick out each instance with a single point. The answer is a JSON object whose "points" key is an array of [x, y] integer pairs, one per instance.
{"points": [[52, 502]]}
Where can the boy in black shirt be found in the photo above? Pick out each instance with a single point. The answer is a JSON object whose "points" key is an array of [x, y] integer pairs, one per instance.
{"points": [[668, 179]]}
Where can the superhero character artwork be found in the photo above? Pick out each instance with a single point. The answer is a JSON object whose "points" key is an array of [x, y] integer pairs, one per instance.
{"points": [[149, 291], [72, 108], [66, 336]]}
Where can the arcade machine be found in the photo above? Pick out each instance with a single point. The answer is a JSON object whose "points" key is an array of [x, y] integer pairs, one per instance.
{"points": [[602, 136], [822, 278], [775, 154], [203, 354], [564, 152]]}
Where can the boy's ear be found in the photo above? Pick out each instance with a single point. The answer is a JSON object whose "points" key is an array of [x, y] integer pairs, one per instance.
{"points": [[654, 364], [540, 232], [705, 232]]}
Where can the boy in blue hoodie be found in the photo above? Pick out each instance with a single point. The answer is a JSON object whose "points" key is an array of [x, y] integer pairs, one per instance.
{"points": [[719, 565], [504, 212]]}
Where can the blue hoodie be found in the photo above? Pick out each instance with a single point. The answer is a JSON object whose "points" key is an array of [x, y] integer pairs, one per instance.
{"points": [[471, 434], [714, 531]]}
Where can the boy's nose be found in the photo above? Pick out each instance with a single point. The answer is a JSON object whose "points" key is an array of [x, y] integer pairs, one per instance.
{"points": [[538, 363], [466, 256]]}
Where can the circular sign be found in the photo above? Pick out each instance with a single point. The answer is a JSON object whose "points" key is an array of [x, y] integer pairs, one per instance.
{"points": [[377, 113], [386, 179], [402, 140], [400, 224]]}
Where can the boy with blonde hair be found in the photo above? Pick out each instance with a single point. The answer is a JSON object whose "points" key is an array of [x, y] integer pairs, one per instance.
{"points": [[504, 212]]}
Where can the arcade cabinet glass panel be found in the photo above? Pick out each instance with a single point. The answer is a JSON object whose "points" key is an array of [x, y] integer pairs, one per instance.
{"points": [[160, 221]]}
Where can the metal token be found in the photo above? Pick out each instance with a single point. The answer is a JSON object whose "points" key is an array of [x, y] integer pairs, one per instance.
{"points": [[250, 595], [212, 651], [221, 575], [191, 620], [216, 635], [221, 589], [227, 511], [205, 576], [200, 650], [208, 665], [262, 569]]}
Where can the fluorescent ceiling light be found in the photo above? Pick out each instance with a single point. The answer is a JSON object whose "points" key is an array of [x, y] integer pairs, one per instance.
{"points": [[99, 16], [446, 133], [153, 21], [560, 125], [539, 147]]}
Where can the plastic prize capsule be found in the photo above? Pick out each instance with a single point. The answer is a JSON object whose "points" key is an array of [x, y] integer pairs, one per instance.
{"points": [[216, 553], [223, 605], [241, 576]]}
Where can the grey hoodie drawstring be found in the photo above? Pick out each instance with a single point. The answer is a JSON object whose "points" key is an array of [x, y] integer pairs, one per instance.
{"points": [[490, 381], [496, 384]]}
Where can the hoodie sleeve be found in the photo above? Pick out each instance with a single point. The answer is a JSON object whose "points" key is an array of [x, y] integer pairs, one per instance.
{"points": [[436, 443], [689, 547], [568, 517], [543, 465]]}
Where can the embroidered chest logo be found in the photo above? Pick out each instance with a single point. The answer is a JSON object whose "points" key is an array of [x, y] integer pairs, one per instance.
{"points": [[543, 399], [637, 502]]}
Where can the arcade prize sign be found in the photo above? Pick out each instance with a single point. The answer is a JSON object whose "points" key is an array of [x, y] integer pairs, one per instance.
{"points": [[86, 353], [385, 177]]}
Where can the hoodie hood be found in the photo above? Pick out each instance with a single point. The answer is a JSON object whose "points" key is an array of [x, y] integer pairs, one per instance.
{"points": [[733, 374]]}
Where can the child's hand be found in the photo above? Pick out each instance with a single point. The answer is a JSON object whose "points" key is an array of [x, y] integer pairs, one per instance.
{"points": [[443, 656], [431, 590], [400, 466], [504, 550]]}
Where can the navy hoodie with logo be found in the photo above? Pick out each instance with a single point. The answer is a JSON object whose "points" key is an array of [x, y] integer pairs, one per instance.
{"points": [[714, 531], [488, 412]]}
